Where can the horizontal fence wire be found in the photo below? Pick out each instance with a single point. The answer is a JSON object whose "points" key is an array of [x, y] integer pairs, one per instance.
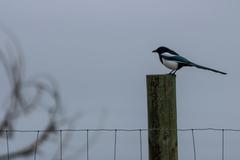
{"points": [[120, 129], [116, 132]]}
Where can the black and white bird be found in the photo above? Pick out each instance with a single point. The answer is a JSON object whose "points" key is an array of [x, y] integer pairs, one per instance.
{"points": [[174, 61]]}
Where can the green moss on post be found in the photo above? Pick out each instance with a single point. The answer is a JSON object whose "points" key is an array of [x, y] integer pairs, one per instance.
{"points": [[162, 117]]}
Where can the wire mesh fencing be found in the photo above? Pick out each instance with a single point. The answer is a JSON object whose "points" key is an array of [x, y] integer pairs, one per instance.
{"points": [[194, 146]]}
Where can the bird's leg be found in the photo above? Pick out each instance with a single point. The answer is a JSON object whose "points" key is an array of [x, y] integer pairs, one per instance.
{"points": [[174, 72], [171, 72]]}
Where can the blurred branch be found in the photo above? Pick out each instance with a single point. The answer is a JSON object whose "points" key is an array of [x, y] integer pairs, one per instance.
{"points": [[11, 58], [20, 104]]}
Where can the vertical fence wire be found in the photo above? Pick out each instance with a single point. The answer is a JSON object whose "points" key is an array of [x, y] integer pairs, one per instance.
{"points": [[87, 132], [7, 141], [140, 141], [115, 145], [222, 144], [35, 151], [194, 145], [61, 145]]}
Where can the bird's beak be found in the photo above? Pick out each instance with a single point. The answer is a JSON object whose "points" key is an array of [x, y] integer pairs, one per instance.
{"points": [[154, 51]]}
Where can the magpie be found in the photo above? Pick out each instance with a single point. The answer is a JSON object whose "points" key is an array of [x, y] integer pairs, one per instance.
{"points": [[174, 61]]}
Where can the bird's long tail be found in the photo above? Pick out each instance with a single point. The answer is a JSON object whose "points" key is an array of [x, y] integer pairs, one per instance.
{"points": [[206, 68]]}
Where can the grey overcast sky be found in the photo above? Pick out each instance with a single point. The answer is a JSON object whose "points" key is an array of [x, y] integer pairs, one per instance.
{"points": [[100, 52]]}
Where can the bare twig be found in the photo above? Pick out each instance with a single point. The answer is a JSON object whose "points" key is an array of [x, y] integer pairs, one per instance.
{"points": [[11, 58]]}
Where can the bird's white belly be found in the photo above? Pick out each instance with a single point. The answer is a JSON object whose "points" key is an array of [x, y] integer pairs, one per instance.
{"points": [[170, 64]]}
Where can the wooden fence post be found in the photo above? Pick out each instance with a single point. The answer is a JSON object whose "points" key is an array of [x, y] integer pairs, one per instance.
{"points": [[162, 117]]}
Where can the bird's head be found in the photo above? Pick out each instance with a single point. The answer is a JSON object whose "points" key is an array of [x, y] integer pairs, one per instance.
{"points": [[161, 50]]}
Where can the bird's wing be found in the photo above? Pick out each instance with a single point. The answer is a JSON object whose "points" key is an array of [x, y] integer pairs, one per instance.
{"points": [[178, 59], [185, 62]]}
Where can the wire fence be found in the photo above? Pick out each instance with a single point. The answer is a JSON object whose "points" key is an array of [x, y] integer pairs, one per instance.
{"points": [[116, 133]]}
